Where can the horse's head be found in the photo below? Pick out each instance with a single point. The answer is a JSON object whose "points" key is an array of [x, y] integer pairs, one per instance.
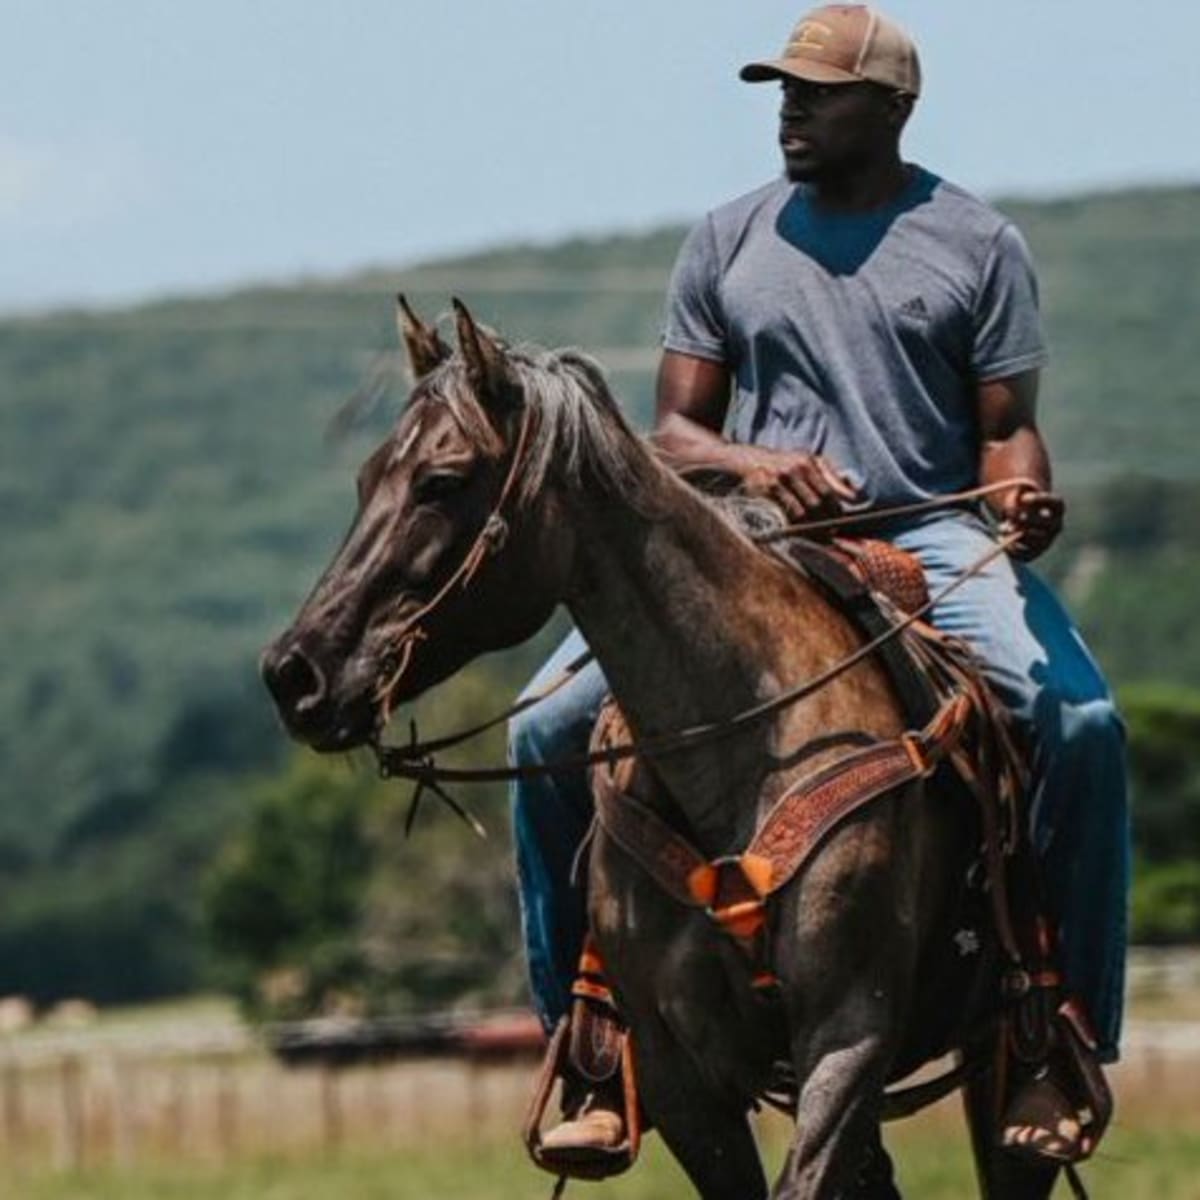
{"points": [[446, 557]]}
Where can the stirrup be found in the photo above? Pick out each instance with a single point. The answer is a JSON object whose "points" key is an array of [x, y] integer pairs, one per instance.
{"points": [[1042, 1124], [590, 1050], [1065, 1103]]}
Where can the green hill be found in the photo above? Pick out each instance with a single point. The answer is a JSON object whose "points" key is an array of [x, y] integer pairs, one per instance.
{"points": [[168, 498]]}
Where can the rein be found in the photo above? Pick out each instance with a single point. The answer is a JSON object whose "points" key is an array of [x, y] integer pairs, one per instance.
{"points": [[416, 760], [879, 516]]}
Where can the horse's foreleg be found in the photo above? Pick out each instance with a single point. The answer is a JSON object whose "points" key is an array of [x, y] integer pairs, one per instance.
{"points": [[836, 1149], [707, 1133], [846, 949]]}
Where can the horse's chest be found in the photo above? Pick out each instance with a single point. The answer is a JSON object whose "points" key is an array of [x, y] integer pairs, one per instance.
{"points": [[673, 971]]}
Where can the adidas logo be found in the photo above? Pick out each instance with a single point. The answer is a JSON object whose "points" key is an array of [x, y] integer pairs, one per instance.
{"points": [[914, 308]]}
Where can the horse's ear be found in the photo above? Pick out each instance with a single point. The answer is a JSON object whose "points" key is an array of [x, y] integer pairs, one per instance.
{"points": [[491, 375], [426, 350]]}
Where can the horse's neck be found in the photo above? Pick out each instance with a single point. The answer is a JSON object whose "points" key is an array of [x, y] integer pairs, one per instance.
{"points": [[692, 624]]}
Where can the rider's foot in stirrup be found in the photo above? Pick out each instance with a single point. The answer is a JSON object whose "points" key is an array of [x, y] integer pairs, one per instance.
{"points": [[1042, 1124], [593, 1121]]}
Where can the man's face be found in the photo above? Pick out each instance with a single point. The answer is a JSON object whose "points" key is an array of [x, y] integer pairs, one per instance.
{"points": [[828, 130]]}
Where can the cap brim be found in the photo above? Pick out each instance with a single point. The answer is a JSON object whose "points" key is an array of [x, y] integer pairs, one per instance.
{"points": [[796, 68]]}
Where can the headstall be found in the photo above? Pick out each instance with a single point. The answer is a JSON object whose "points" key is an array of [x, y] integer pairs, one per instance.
{"points": [[488, 541]]}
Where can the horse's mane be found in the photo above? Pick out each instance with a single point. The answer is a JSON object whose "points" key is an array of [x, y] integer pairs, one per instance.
{"points": [[581, 435]]}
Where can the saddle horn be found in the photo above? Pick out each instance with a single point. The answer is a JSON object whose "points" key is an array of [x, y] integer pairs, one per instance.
{"points": [[426, 349]]}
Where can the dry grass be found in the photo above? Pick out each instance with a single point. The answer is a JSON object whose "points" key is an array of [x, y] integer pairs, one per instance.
{"points": [[1138, 1165], [403, 1137], [233, 1125]]}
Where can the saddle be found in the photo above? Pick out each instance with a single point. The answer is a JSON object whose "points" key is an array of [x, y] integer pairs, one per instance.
{"points": [[955, 724]]}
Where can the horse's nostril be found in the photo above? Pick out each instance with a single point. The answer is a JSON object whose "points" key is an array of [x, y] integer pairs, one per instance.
{"points": [[301, 679]]}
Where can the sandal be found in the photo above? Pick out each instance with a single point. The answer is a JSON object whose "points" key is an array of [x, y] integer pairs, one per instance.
{"points": [[1042, 1124]]}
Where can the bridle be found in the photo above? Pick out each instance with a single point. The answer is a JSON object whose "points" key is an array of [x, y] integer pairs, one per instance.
{"points": [[490, 539]]}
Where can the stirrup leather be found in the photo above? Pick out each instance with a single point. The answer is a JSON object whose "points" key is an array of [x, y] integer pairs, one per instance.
{"points": [[590, 1047]]}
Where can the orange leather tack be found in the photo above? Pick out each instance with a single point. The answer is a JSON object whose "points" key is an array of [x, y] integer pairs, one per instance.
{"points": [[757, 871], [591, 991], [741, 920], [916, 753], [885, 568], [702, 883], [590, 963]]}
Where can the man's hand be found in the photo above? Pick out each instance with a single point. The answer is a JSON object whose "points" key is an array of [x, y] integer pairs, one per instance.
{"points": [[1012, 448], [693, 399], [1036, 516], [806, 486]]}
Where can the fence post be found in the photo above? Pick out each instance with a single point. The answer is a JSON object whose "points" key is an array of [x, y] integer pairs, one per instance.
{"points": [[124, 1094], [477, 1106], [227, 1110], [380, 1117], [419, 1113], [331, 1108], [71, 1093], [177, 1106], [14, 1111]]}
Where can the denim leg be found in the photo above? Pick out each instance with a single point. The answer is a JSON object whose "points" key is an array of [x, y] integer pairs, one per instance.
{"points": [[551, 816], [1038, 664]]}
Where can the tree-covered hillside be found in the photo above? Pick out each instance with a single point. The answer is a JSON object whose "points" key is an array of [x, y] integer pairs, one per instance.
{"points": [[168, 497]]}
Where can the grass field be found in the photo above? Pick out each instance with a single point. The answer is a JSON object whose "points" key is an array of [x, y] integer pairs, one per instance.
{"points": [[242, 1128], [1137, 1165], [1152, 1153]]}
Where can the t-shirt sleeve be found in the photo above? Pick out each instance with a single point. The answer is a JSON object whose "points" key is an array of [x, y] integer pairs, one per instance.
{"points": [[694, 322], [1008, 327]]}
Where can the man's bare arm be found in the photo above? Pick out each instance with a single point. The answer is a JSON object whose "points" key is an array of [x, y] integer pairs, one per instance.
{"points": [[691, 403], [693, 399], [1011, 446]]}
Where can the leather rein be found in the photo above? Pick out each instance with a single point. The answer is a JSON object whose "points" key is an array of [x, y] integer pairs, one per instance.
{"points": [[416, 760]]}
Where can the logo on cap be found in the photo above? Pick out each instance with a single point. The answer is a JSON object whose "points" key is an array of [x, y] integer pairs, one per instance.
{"points": [[810, 36]]}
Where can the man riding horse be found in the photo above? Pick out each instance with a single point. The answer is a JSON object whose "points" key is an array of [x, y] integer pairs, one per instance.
{"points": [[863, 332]]}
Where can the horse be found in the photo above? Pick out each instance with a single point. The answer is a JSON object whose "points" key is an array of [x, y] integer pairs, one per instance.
{"points": [[512, 483]]}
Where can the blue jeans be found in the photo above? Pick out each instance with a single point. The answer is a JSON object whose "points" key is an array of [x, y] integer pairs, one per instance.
{"points": [[1037, 663]]}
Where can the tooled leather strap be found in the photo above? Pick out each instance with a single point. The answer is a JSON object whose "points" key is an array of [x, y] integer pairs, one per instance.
{"points": [[664, 854], [797, 823], [807, 812]]}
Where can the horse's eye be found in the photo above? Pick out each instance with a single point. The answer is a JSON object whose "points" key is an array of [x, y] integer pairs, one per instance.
{"points": [[438, 485]]}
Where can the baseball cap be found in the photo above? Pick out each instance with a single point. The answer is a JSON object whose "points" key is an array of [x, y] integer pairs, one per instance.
{"points": [[845, 43]]}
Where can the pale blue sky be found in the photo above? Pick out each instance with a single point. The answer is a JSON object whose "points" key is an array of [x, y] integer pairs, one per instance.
{"points": [[149, 146]]}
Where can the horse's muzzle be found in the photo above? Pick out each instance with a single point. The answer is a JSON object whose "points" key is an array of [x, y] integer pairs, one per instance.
{"points": [[299, 687]]}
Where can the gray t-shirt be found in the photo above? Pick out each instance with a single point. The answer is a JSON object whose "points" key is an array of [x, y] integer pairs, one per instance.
{"points": [[860, 337]]}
